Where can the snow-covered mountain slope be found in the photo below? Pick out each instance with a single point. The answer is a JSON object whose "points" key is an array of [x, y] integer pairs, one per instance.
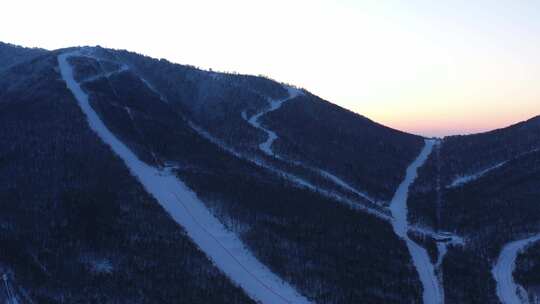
{"points": [[347, 145], [267, 148], [308, 130], [76, 227], [223, 247], [259, 202], [280, 195]]}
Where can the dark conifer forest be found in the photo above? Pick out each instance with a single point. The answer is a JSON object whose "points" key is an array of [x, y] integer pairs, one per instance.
{"points": [[305, 185]]}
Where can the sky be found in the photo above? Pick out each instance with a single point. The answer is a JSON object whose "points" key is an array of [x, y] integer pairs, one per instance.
{"points": [[429, 67]]}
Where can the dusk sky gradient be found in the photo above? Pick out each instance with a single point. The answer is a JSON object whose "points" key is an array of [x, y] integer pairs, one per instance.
{"points": [[427, 67]]}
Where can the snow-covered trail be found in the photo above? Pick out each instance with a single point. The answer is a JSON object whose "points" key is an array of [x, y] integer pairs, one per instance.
{"points": [[222, 247], [266, 146], [464, 179], [508, 291], [338, 181], [454, 239], [432, 293], [300, 182], [275, 104], [122, 68]]}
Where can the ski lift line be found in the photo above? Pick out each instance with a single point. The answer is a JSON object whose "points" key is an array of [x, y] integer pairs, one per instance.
{"points": [[106, 75], [227, 250], [149, 147]]}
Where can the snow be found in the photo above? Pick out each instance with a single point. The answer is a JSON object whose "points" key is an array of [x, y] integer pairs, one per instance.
{"points": [[508, 291], [153, 89], [381, 214], [293, 178], [122, 68], [462, 180], [275, 104], [432, 289], [442, 249], [222, 247], [266, 146], [102, 266], [10, 294], [338, 181]]}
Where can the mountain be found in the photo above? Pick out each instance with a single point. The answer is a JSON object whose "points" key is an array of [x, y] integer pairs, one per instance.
{"points": [[12, 54], [76, 226], [127, 179], [484, 187]]}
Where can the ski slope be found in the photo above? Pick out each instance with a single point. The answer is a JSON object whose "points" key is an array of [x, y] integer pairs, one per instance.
{"points": [[266, 146], [462, 180], [275, 104], [296, 180], [508, 291], [338, 181], [288, 176], [222, 247], [122, 68], [299, 181], [432, 289]]}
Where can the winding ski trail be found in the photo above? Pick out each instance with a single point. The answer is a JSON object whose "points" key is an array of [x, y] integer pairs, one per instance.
{"points": [[275, 104], [299, 181], [508, 291], [221, 246], [432, 289], [266, 146]]}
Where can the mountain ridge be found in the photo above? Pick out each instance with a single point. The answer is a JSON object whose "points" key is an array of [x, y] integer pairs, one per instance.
{"points": [[305, 186], [40, 50]]}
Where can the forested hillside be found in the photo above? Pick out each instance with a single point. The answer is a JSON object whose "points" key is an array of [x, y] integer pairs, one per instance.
{"points": [[12, 54], [490, 208], [77, 228], [330, 206]]}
